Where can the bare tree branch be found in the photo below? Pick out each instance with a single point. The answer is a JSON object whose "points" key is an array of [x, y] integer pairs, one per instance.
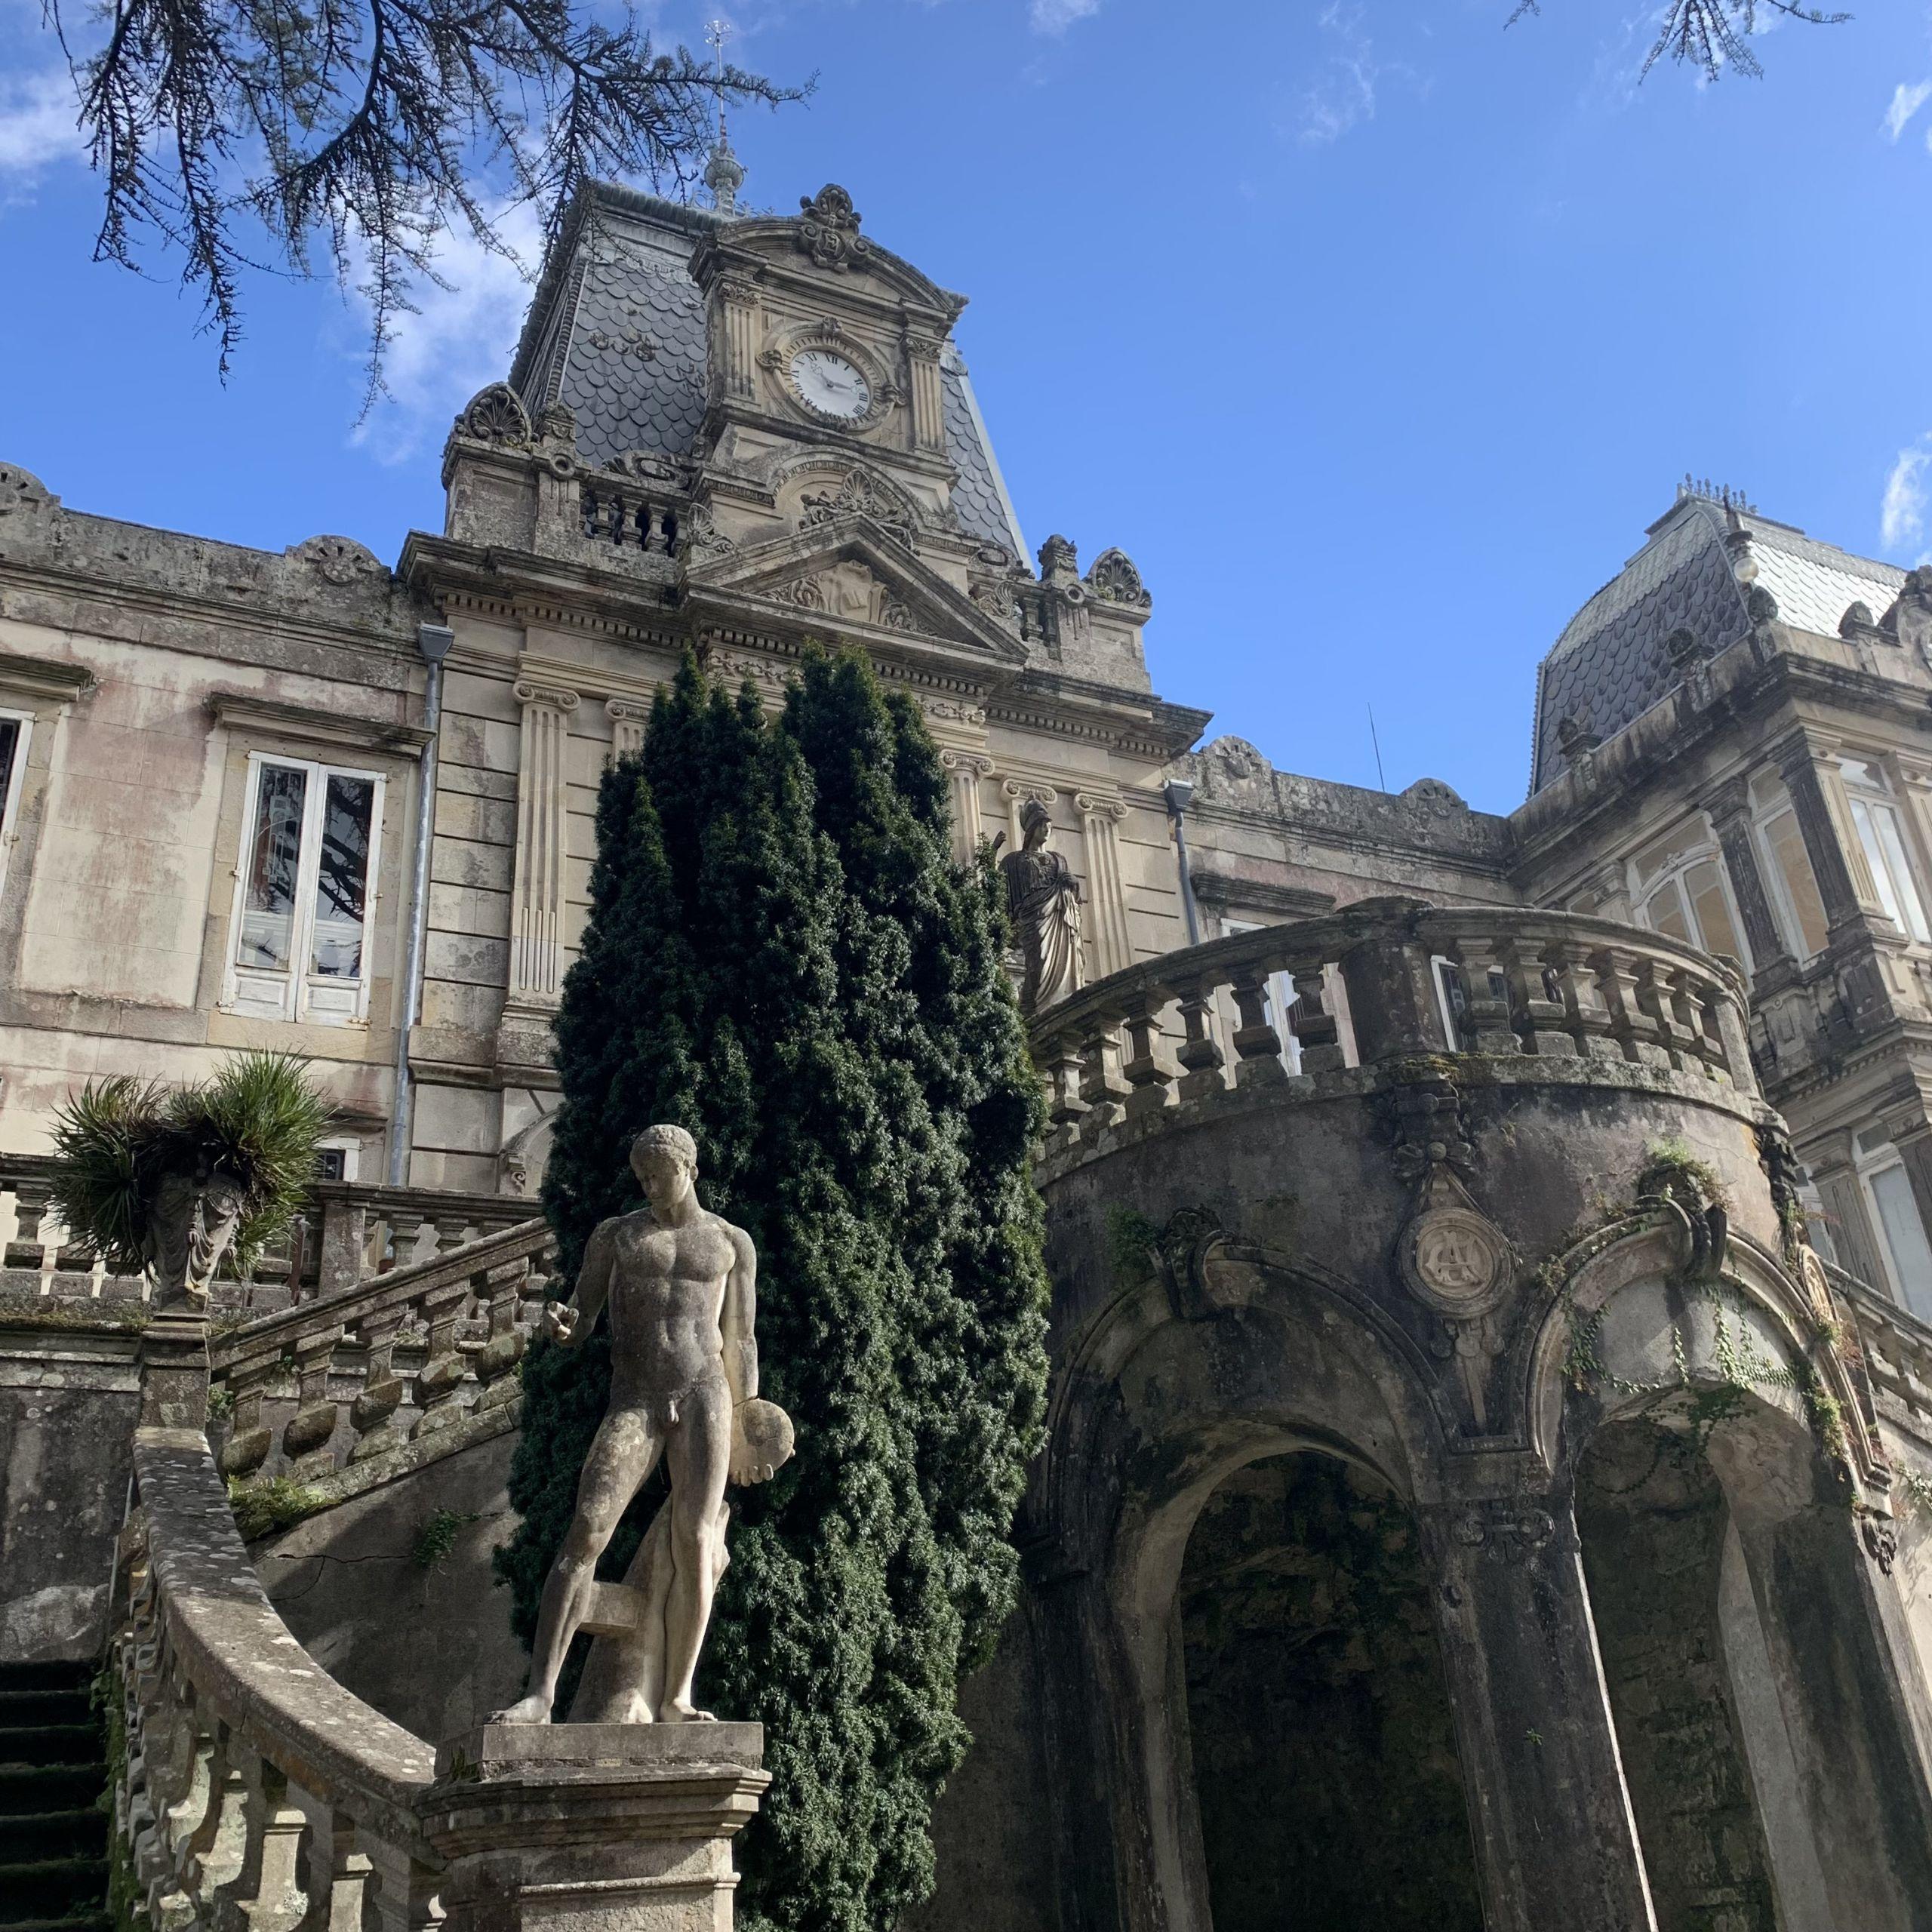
{"points": [[245, 134], [1713, 34]]}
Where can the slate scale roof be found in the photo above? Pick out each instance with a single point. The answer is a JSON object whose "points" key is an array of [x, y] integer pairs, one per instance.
{"points": [[617, 333], [1610, 664]]}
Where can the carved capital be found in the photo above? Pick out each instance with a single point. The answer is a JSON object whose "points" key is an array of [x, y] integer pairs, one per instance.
{"points": [[975, 763], [1100, 805], [1729, 801], [1020, 789], [626, 708], [553, 696]]}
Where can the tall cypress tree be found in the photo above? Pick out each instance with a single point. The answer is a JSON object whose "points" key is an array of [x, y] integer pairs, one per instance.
{"points": [[782, 957]]}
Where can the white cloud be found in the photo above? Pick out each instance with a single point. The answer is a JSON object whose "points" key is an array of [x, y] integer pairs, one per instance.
{"points": [[39, 127], [1906, 101], [1345, 92], [460, 339], [1055, 16], [1908, 492]]}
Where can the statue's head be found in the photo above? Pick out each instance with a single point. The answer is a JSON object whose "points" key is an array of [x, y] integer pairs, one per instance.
{"points": [[1034, 824], [664, 1158]]}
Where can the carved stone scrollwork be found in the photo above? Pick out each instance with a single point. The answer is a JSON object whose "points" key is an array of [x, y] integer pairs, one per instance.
{"points": [[893, 615], [808, 593], [550, 694], [1505, 1530], [954, 712], [859, 494], [497, 415], [703, 538], [829, 229], [1452, 1256], [1114, 579], [338, 560], [1881, 1541], [21, 490]]}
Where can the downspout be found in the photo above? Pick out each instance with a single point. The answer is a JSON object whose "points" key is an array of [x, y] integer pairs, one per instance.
{"points": [[1178, 791], [434, 642]]}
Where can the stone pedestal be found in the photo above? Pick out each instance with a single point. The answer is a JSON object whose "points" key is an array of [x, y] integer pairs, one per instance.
{"points": [[590, 1826]]}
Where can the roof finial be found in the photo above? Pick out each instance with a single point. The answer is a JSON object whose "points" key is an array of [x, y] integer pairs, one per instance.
{"points": [[724, 172]]}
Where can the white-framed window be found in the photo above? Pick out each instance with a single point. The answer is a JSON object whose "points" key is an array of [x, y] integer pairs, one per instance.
{"points": [[336, 1160], [1678, 888], [1875, 817], [15, 728], [1902, 1249], [305, 892], [1786, 866]]}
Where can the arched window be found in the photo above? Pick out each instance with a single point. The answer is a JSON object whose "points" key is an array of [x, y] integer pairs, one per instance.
{"points": [[1678, 888]]}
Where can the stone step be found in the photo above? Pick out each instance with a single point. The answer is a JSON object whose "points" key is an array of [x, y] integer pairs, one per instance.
{"points": [[80, 1833], [41, 1707], [51, 1888], [27, 1789], [49, 1743]]}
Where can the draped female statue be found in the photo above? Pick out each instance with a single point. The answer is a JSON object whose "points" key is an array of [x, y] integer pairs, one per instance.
{"points": [[1043, 902]]}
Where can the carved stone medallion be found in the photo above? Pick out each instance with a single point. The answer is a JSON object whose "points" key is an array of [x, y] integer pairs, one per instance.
{"points": [[1453, 1257]]}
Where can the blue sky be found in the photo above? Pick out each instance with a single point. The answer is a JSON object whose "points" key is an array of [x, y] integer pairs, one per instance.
{"points": [[1376, 333]]}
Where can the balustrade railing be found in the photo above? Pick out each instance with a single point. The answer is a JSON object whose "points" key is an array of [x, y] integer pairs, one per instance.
{"points": [[255, 1790], [1415, 980], [347, 1230], [628, 519], [388, 1359]]}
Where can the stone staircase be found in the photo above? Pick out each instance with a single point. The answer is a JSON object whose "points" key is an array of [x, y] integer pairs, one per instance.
{"points": [[52, 1831]]}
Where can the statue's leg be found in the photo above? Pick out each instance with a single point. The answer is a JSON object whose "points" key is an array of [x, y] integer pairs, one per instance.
{"points": [[700, 1453], [621, 1456]]}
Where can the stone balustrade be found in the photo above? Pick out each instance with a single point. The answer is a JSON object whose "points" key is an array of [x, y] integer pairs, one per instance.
{"points": [[1897, 1348], [393, 1358], [347, 1230], [256, 1792], [1386, 981]]}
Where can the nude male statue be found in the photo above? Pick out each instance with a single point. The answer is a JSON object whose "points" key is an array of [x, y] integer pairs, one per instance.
{"points": [[680, 1285]]}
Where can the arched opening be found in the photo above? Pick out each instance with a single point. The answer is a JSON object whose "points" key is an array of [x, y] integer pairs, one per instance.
{"points": [[1324, 1754], [1654, 1524]]}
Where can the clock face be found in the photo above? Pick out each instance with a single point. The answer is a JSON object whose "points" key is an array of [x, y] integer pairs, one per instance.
{"points": [[830, 384]]}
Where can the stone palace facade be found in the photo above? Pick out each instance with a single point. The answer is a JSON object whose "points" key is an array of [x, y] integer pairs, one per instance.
{"points": [[1509, 1191]]}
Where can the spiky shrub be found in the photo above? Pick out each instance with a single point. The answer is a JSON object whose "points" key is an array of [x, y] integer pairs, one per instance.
{"points": [[782, 957], [257, 1120]]}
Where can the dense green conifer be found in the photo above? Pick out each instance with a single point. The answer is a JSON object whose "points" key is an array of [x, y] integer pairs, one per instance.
{"points": [[782, 957]]}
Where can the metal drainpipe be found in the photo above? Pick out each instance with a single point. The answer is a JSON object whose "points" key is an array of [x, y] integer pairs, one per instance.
{"points": [[1178, 791], [434, 642]]}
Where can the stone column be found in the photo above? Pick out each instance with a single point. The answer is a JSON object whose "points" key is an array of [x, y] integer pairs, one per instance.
{"points": [[1611, 885], [1730, 817], [537, 903], [1100, 817], [737, 369], [1555, 1840], [922, 354], [965, 769], [1838, 860], [597, 1827], [628, 718]]}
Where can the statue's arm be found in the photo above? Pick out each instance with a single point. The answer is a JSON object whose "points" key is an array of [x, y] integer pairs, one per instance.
{"points": [[593, 1286], [737, 1322]]}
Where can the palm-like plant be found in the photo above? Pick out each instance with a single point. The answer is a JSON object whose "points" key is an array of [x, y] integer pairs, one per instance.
{"points": [[171, 1179]]}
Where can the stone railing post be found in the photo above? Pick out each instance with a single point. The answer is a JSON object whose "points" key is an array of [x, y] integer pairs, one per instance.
{"points": [[601, 1828], [1391, 987], [345, 1241]]}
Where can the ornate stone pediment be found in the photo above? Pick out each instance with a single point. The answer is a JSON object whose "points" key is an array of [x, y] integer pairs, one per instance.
{"points": [[847, 572]]}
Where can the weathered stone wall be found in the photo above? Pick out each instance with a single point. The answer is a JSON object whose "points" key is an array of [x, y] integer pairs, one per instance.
{"points": [[67, 1401], [1651, 1515], [393, 1593], [1324, 1751]]}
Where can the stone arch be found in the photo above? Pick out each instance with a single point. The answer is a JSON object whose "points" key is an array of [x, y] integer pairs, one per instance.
{"points": [[1169, 1391], [1713, 1349]]}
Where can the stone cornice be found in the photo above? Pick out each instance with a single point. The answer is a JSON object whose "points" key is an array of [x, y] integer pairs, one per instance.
{"points": [[315, 723], [44, 678]]}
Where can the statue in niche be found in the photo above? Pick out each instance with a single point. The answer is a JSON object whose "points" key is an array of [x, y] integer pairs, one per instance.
{"points": [[1043, 902], [680, 1285]]}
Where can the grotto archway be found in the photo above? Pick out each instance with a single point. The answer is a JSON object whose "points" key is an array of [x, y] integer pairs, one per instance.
{"points": [[1327, 1788]]}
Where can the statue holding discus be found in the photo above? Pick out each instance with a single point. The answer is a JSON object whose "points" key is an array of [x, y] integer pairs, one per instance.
{"points": [[681, 1287]]}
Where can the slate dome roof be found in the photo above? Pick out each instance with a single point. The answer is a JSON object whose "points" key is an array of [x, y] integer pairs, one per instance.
{"points": [[1612, 663]]}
